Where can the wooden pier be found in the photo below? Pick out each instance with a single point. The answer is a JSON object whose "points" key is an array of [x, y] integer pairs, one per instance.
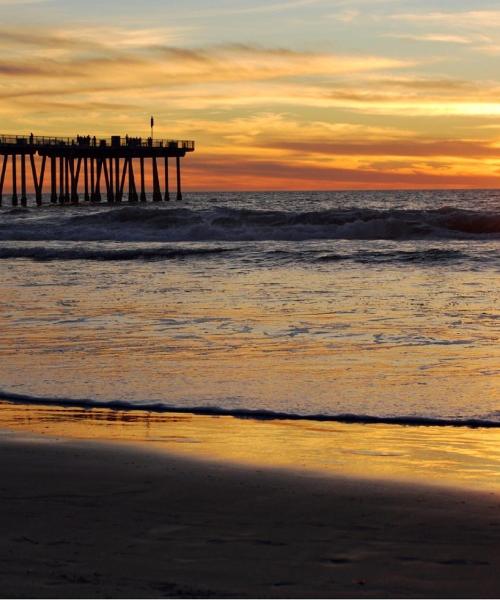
{"points": [[75, 169]]}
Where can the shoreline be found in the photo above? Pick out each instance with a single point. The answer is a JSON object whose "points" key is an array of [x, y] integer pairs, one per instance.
{"points": [[257, 414], [82, 518]]}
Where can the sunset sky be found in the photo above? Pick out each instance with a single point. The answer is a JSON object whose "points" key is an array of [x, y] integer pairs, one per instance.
{"points": [[298, 94]]}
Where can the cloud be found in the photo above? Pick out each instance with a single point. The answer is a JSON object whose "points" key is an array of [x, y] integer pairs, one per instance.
{"points": [[95, 39], [432, 37], [426, 84], [491, 49], [12, 38], [20, 2], [23, 69], [137, 60], [112, 37], [410, 148], [231, 173], [265, 7], [466, 19], [347, 15]]}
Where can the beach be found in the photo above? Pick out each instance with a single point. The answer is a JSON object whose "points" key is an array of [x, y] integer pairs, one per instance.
{"points": [[127, 518]]}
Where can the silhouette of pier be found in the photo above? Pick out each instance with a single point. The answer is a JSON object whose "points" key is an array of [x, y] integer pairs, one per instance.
{"points": [[89, 168]]}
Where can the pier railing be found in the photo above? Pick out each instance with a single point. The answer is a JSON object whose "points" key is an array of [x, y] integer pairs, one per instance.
{"points": [[87, 141]]}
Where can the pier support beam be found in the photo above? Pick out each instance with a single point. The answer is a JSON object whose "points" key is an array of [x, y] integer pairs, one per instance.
{"points": [[14, 180], [132, 191], [39, 193], [167, 192], [66, 180], [178, 165], [156, 182], [122, 178], [108, 175], [53, 180], [2, 175], [108, 180], [143, 185], [24, 199], [118, 195], [61, 180], [73, 196], [38, 181], [86, 196], [92, 180], [75, 176], [97, 189]]}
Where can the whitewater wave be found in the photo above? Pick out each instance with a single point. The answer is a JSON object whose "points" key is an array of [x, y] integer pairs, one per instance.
{"points": [[243, 413], [136, 223]]}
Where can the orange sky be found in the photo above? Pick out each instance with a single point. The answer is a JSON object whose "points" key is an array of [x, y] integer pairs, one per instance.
{"points": [[297, 94]]}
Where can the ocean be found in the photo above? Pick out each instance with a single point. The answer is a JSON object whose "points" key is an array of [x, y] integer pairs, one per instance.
{"points": [[324, 305]]}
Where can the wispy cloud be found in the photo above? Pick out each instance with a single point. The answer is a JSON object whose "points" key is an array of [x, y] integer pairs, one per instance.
{"points": [[126, 37], [140, 58], [271, 7], [487, 19], [20, 2], [432, 37], [211, 173], [260, 8]]}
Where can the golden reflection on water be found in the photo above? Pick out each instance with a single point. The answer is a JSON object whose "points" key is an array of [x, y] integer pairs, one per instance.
{"points": [[358, 340], [451, 456]]}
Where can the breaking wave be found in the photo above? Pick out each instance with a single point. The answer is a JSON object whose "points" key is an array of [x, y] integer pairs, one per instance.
{"points": [[134, 223], [243, 413]]}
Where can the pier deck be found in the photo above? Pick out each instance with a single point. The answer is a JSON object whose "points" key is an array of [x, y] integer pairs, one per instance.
{"points": [[83, 164]]}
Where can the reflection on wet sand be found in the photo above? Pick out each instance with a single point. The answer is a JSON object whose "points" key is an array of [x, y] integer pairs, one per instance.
{"points": [[458, 457]]}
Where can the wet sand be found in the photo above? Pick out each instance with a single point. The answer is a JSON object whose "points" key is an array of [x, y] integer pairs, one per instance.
{"points": [[88, 519]]}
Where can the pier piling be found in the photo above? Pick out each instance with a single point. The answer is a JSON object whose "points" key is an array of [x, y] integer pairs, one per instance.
{"points": [[86, 196], [132, 191], [14, 180], [38, 181], [2, 176], [108, 181], [117, 180], [24, 199], [61, 180], [66, 179], [156, 182], [92, 180], [53, 180], [97, 191], [167, 191], [179, 190], [143, 185]]}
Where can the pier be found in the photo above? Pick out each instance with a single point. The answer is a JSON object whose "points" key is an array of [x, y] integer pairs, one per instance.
{"points": [[89, 168]]}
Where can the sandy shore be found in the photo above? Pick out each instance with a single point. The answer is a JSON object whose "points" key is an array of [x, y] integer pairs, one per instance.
{"points": [[83, 519]]}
